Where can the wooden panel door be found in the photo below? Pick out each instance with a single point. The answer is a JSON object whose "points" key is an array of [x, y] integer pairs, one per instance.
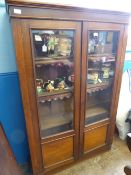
{"points": [[51, 53], [102, 60]]}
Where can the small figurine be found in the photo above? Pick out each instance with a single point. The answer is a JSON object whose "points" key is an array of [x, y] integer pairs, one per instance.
{"points": [[71, 78], [39, 84], [62, 84], [56, 82], [51, 44], [49, 86], [95, 77], [65, 46], [106, 71]]}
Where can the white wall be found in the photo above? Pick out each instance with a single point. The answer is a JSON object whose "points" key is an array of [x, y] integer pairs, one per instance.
{"points": [[119, 5]]}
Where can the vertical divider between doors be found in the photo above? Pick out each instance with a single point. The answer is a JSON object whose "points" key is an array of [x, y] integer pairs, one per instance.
{"points": [[83, 86], [77, 88]]}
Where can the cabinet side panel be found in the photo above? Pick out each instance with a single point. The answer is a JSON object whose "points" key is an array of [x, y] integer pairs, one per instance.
{"points": [[33, 135], [118, 78]]}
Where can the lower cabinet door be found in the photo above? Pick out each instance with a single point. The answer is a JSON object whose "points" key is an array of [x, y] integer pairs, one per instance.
{"points": [[95, 138], [57, 152]]}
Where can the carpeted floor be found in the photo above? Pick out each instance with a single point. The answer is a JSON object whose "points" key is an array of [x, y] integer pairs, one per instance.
{"points": [[109, 163]]}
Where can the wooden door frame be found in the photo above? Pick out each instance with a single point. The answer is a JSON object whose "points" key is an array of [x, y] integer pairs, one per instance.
{"points": [[21, 32], [122, 29]]}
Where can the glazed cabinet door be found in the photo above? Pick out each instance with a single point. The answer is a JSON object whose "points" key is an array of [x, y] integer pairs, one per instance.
{"points": [[101, 71], [52, 63]]}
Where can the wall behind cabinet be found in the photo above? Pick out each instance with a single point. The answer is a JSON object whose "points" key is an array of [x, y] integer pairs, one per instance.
{"points": [[11, 110]]}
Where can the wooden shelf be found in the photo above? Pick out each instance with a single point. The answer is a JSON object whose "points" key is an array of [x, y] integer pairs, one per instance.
{"points": [[102, 55], [102, 58], [55, 95], [53, 34], [46, 60], [93, 111], [95, 114], [96, 102], [98, 86], [93, 69], [55, 120]]}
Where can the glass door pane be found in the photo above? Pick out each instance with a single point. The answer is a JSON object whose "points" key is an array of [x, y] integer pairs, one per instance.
{"points": [[102, 52], [53, 52]]}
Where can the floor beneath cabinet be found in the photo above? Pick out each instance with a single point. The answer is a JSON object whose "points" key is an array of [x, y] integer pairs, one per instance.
{"points": [[109, 163]]}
